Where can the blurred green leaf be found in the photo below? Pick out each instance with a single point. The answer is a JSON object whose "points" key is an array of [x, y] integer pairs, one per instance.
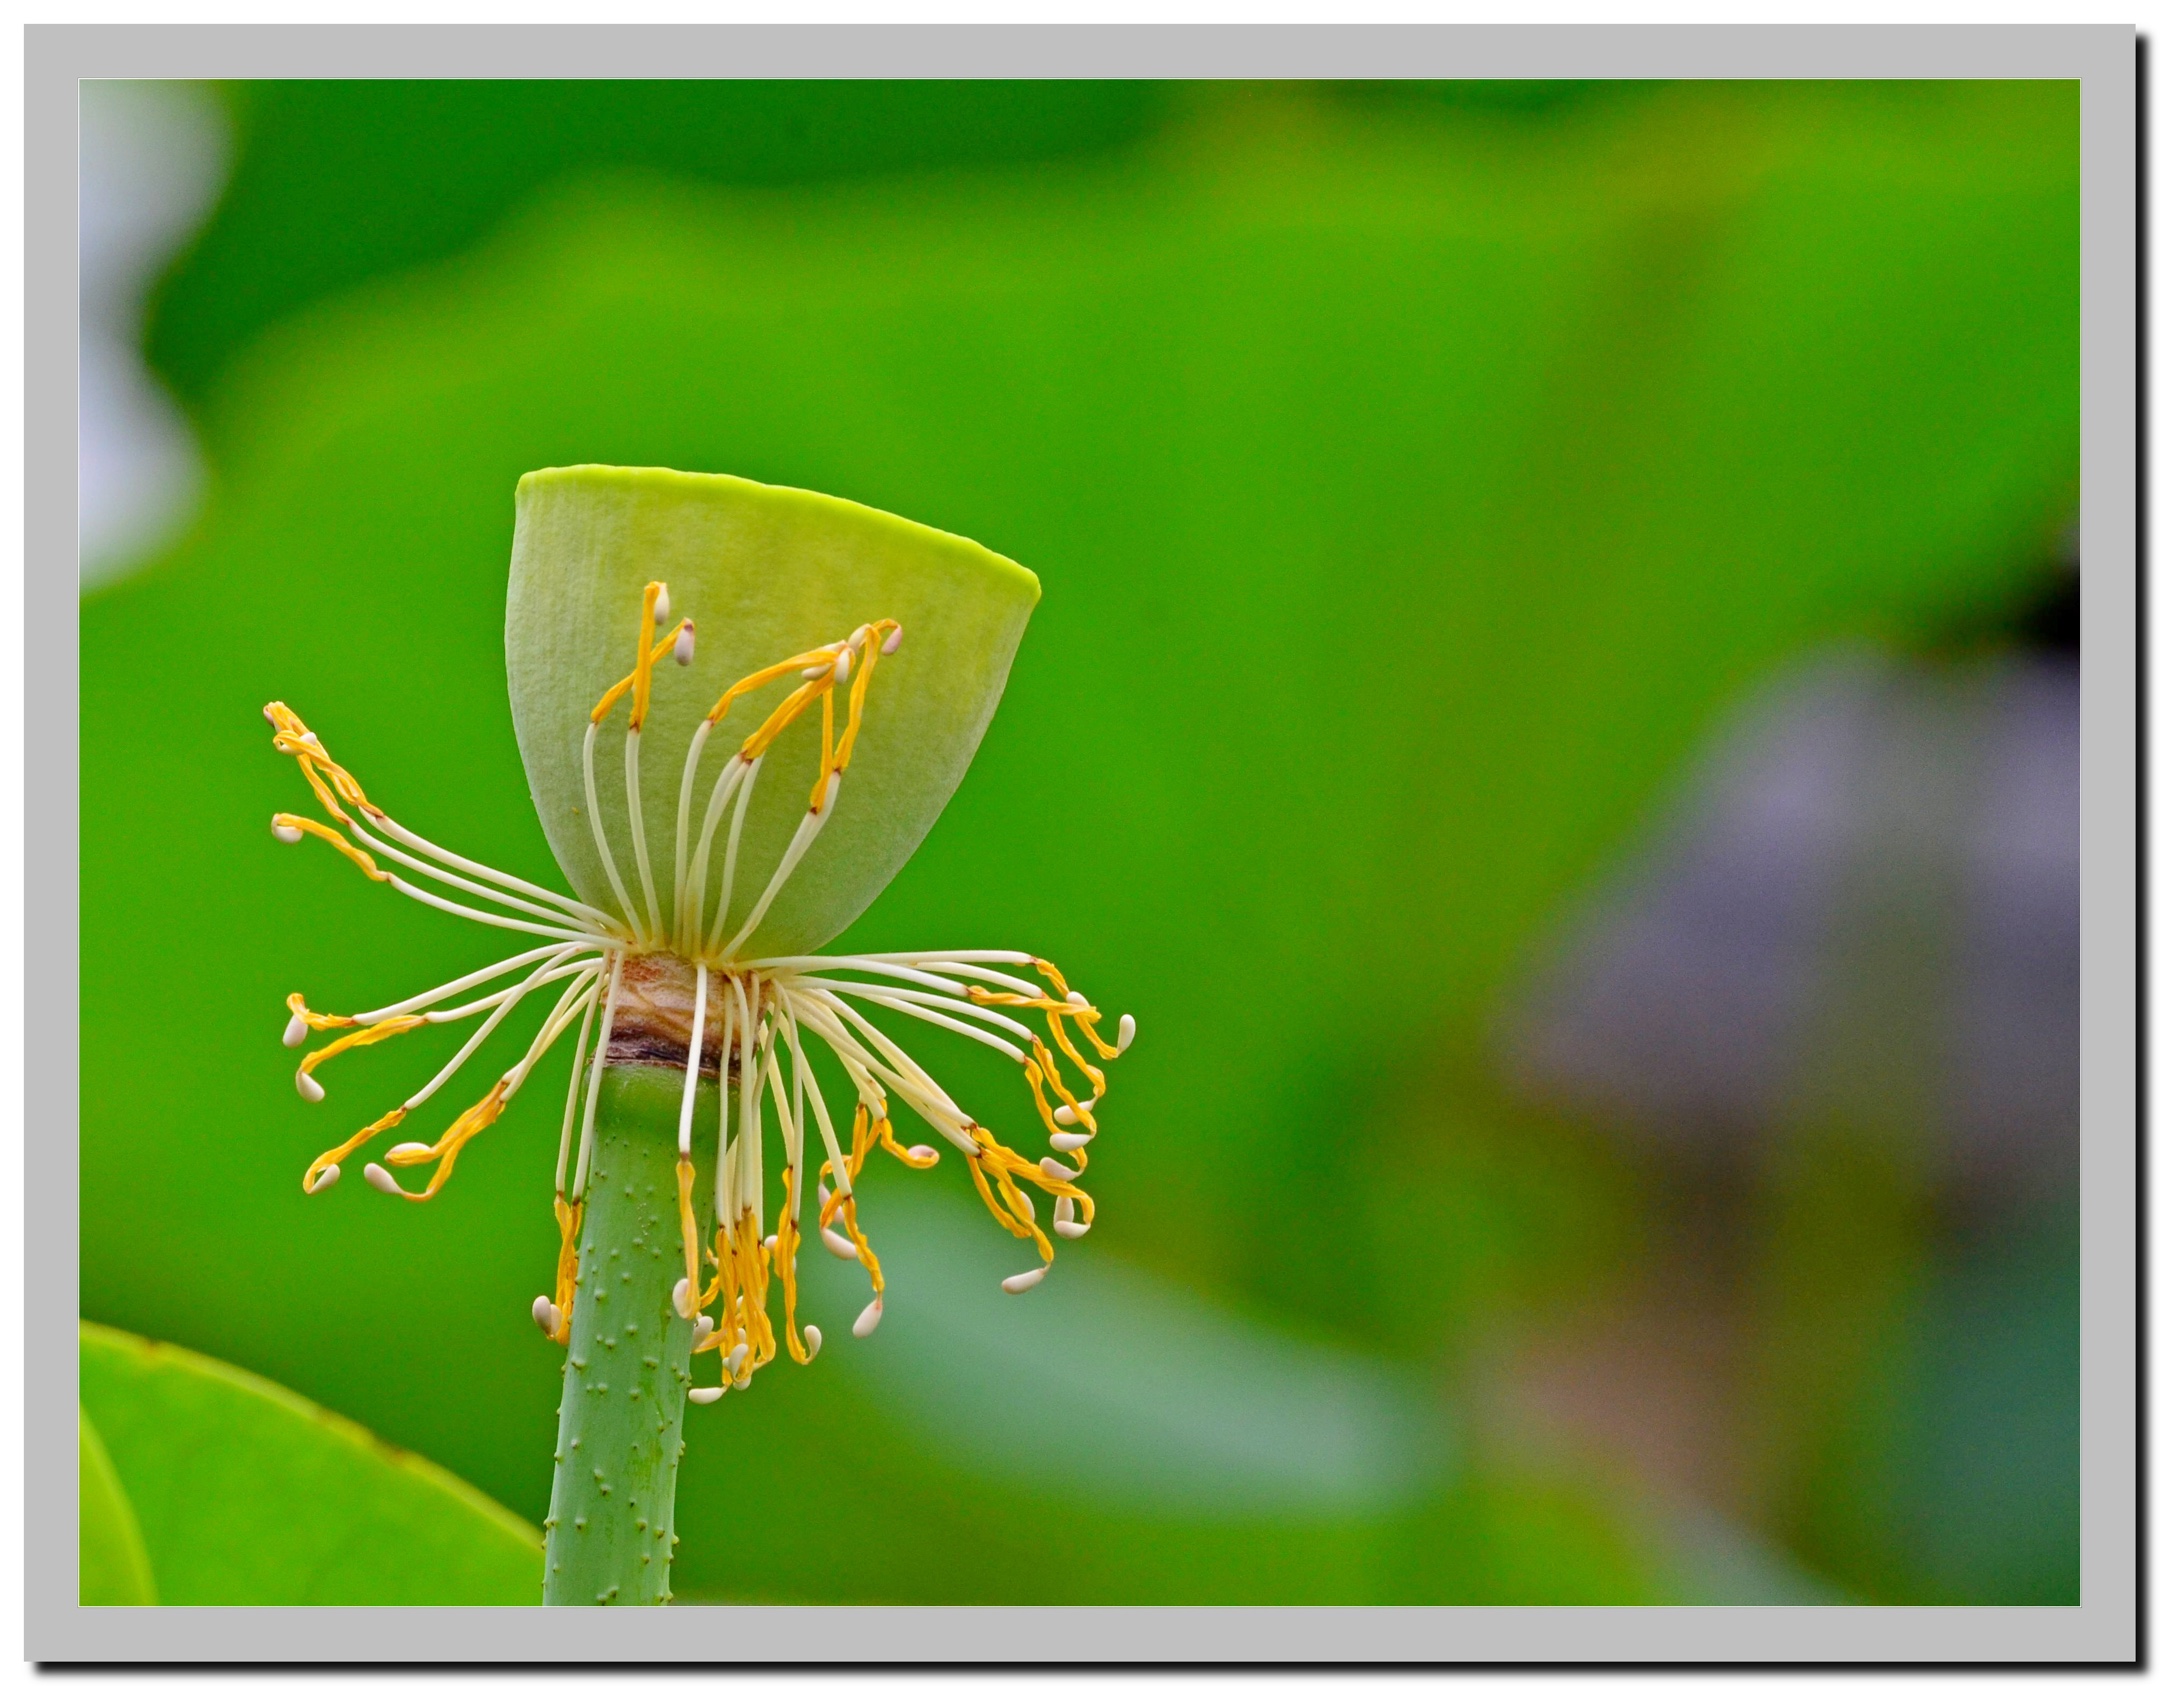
{"points": [[340, 182], [248, 1494], [1409, 490], [114, 1569]]}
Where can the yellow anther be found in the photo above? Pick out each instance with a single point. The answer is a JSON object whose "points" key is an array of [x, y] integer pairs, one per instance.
{"points": [[296, 1004], [468, 1124], [623, 686], [323, 1161], [362, 1038], [315, 828], [642, 672], [569, 1215], [685, 1180]]}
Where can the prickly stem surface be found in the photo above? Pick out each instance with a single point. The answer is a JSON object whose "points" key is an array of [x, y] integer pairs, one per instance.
{"points": [[611, 1524]]}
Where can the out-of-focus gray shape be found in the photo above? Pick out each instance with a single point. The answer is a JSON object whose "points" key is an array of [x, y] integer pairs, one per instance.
{"points": [[153, 158], [1716, 1561], [1687, 994], [1135, 1389]]}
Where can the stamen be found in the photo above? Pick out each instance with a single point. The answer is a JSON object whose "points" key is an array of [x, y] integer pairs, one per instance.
{"points": [[599, 832], [284, 832], [379, 1178], [684, 922], [812, 967], [1063, 1221], [693, 1065], [583, 914], [570, 1097], [905, 1001], [892, 641], [706, 1395], [838, 1245], [744, 786], [592, 1087], [545, 1314], [685, 643], [326, 1178], [1052, 1168], [813, 1338], [398, 1009], [866, 1324], [1125, 1029], [799, 845], [631, 740], [310, 1090], [296, 1030], [1066, 1143], [1025, 1280]]}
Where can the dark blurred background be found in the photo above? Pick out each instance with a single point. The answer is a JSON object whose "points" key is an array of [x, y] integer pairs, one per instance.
{"points": [[1555, 702]]}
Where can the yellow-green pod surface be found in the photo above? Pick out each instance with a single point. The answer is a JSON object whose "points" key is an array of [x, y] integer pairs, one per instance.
{"points": [[765, 572]]}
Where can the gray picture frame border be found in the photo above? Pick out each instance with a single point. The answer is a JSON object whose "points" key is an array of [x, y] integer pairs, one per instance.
{"points": [[2104, 1628]]}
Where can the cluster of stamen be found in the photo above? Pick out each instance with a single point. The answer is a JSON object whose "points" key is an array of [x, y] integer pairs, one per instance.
{"points": [[748, 1015]]}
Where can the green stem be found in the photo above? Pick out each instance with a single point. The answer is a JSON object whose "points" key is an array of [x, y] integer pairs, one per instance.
{"points": [[610, 1529]]}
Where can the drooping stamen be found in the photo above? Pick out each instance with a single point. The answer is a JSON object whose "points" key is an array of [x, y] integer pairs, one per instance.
{"points": [[483, 1112], [746, 783], [685, 1173], [592, 1088], [316, 764]]}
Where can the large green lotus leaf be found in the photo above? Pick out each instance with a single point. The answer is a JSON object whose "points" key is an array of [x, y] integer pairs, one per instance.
{"points": [[765, 572], [248, 1494], [114, 1567]]}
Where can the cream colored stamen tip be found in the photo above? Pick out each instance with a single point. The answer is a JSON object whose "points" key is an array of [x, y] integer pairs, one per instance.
{"points": [[379, 1178], [891, 645], [867, 1323], [544, 1314], [838, 1245], [310, 1090], [660, 605], [285, 833], [1125, 1028], [683, 1308], [326, 1178], [1068, 1142], [922, 1153], [812, 1339], [739, 1357], [1054, 1168], [406, 1153], [702, 1328], [1069, 1229], [813, 674], [706, 1395], [296, 1029], [686, 644], [1073, 998], [311, 740], [1025, 1280], [843, 667]]}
